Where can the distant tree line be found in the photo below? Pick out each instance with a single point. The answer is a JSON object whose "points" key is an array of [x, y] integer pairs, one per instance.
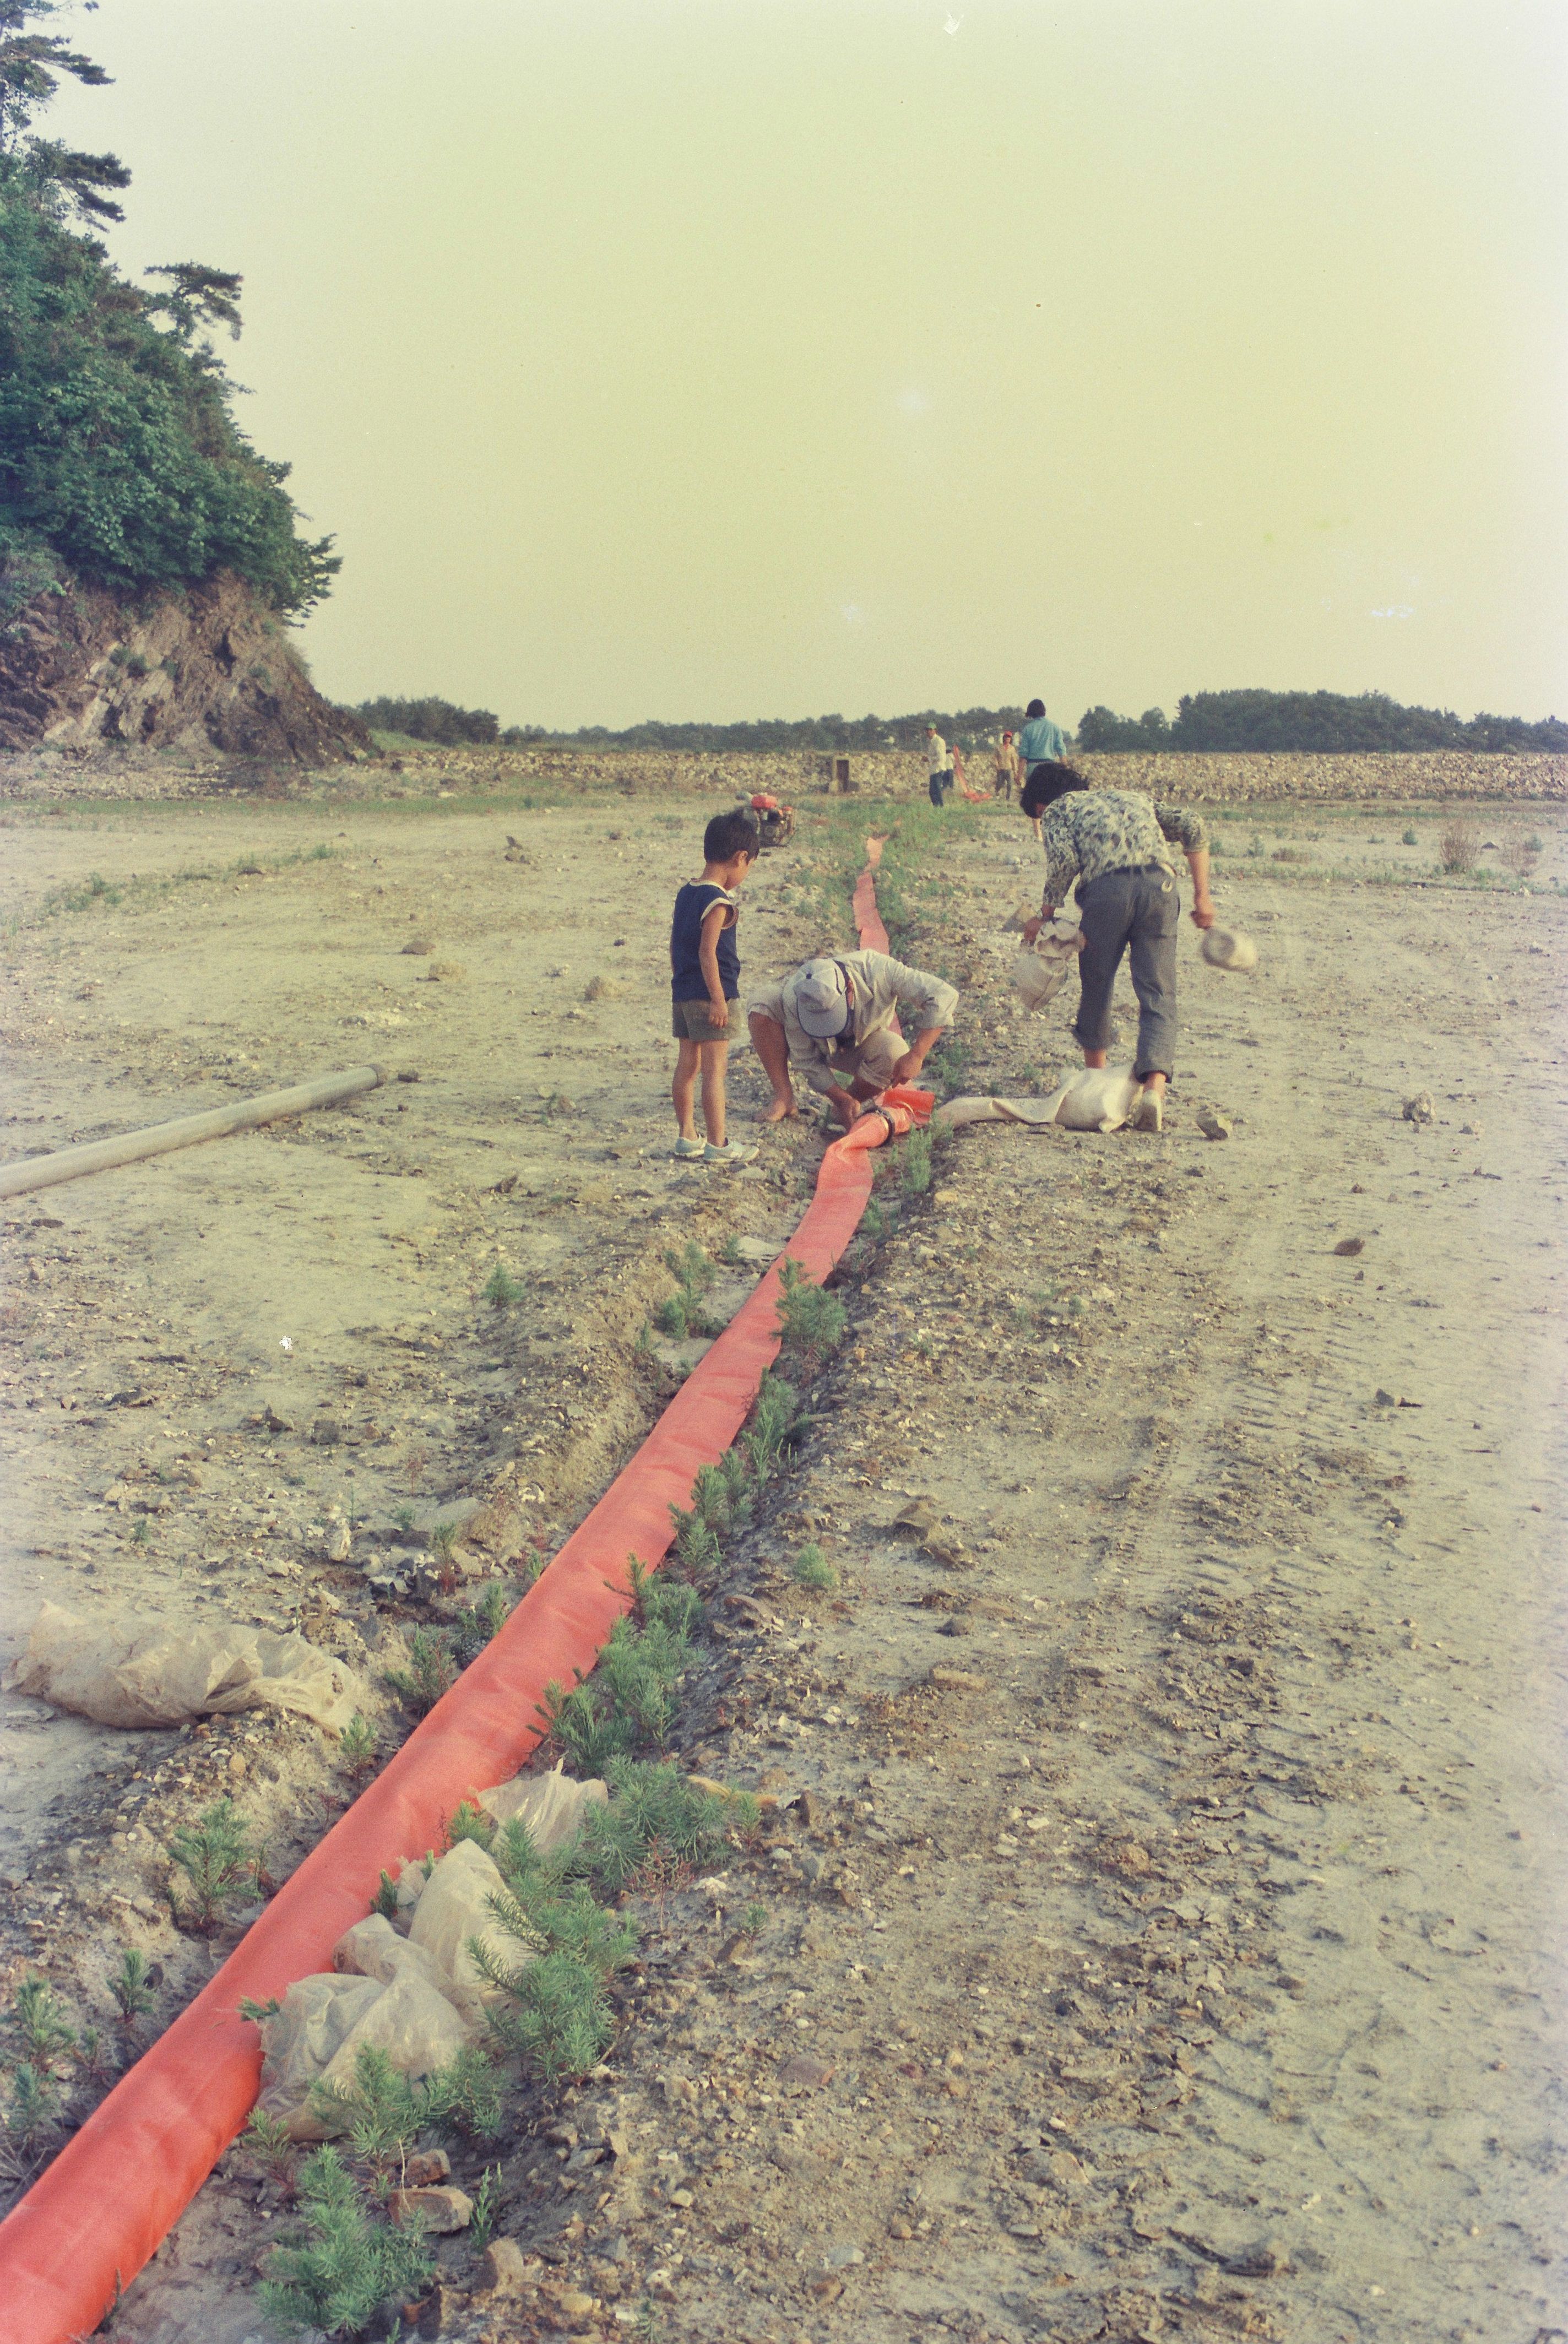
{"points": [[1325, 722], [440, 721]]}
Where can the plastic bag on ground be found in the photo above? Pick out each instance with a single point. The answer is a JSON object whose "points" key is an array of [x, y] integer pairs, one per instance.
{"points": [[454, 1906], [551, 1806], [120, 1668], [416, 2026]]}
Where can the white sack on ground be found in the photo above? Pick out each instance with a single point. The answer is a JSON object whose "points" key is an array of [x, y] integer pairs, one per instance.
{"points": [[1036, 1112], [121, 1668], [455, 1906], [373, 1949], [1100, 1099], [297, 2041], [552, 1805]]}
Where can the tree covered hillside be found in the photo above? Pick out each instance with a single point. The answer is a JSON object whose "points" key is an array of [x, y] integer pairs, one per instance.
{"points": [[119, 454]]}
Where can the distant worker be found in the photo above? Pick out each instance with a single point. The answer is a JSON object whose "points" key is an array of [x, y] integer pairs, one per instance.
{"points": [[1039, 742], [938, 766], [834, 1020], [1007, 775], [1117, 845]]}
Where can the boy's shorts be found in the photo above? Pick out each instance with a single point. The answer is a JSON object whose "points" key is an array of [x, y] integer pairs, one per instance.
{"points": [[692, 1021]]}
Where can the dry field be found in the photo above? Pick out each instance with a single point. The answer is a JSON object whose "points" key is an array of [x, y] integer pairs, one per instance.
{"points": [[1170, 1942]]}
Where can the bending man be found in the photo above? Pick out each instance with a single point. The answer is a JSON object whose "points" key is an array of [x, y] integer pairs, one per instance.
{"points": [[1117, 845], [835, 1020]]}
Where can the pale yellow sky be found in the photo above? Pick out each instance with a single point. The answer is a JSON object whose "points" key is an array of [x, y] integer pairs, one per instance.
{"points": [[740, 357]]}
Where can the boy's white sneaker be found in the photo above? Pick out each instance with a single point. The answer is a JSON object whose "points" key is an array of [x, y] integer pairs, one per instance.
{"points": [[687, 1150], [1148, 1113], [731, 1153]]}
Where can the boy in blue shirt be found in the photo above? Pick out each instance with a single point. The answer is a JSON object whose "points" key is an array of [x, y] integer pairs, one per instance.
{"points": [[705, 979]]}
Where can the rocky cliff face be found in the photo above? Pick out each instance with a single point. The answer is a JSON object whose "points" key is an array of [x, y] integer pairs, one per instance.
{"points": [[81, 667]]}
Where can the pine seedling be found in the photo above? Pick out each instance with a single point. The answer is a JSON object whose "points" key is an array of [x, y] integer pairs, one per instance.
{"points": [[653, 1805], [40, 2020], [381, 2111], [671, 1603], [218, 1861], [561, 2024], [266, 2142], [248, 2007], [481, 2222], [588, 1733], [91, 2054], [473, 1629], [775, 1425], [33, 2105], [384, 1900], [131, 1987], [814, 1570], [811, 1320], [696, 1544], [347, 2264], [468, 1822], [464, 2097], [501, 1290], [430, 1672], [357, 1745], [403, 1516], [752, 1919]]}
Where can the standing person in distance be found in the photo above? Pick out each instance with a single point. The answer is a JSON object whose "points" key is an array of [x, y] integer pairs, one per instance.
{"points": [[705, 979], [1117, 845], [1039, 741], [1007, 775], [938, 766]]}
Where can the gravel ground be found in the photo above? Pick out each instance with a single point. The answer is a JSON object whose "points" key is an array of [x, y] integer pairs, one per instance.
{"points": [[1166, 1938]]}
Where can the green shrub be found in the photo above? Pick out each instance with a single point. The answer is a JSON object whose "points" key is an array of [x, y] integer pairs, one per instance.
{"points": [[346, 2263], [357, 1745], [914, 1164], [501, 1290], [813, 1569]]}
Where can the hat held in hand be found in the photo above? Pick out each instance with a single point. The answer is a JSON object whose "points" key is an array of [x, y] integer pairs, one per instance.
{"points": [[1228, 948]]}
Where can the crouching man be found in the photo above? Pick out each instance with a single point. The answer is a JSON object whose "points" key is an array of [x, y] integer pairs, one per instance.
{"points": [[835, 1021]]}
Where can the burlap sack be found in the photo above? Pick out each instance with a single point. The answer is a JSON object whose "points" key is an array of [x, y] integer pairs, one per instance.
{"points": [[121, 1668]]}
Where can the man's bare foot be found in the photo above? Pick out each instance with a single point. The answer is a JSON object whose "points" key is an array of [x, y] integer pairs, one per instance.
{"points": [[778, 1111]]}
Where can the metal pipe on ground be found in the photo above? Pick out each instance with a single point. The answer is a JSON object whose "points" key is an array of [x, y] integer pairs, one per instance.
{"points": [[184, 1131]]}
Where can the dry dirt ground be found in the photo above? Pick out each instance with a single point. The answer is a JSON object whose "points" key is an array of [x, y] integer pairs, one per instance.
{"points": [[1168, 1942]]}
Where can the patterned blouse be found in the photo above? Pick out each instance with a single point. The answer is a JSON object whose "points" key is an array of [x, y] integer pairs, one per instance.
{"points": [[1090, 831]]}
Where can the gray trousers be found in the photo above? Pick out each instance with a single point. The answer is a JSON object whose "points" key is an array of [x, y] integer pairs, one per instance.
{"points": [[1140, 909]]}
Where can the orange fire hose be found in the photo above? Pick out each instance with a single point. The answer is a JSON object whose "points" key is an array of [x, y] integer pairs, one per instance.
{"points": [[100, 2211]]}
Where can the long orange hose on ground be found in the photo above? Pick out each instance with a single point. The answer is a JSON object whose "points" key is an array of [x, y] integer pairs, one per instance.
{"points": [[97, 2214]]}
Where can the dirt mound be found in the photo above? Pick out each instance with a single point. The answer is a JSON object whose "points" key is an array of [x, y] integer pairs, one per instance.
{"points": [[81, 666]]}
